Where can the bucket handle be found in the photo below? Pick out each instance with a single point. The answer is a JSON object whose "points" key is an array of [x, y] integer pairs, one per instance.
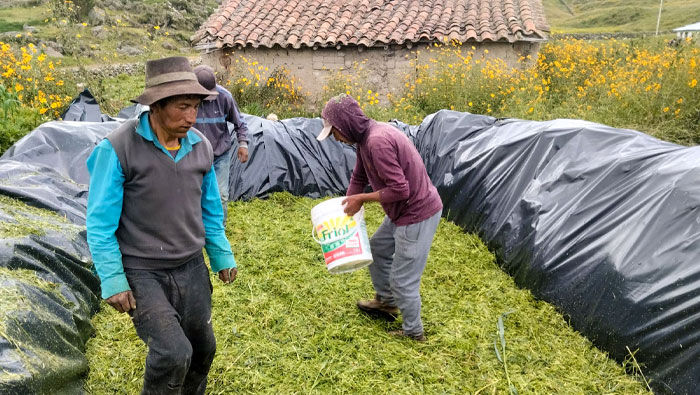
{"points": [[313, 231]]}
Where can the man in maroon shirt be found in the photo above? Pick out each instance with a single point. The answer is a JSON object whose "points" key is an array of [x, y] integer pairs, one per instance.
{"points": [[391, 165]]}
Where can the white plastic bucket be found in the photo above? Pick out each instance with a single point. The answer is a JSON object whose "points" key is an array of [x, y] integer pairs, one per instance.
{"points": [[343, 239]]}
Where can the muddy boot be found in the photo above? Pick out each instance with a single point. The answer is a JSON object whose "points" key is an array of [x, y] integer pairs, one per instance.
{"points": [[379, 309]]}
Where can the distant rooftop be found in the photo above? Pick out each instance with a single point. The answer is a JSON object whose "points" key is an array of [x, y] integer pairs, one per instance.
{"points": [[695, 27]]}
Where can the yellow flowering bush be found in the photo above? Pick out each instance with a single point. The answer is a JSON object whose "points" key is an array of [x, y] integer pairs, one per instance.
{"points": [[34, 80], [650, 87], [647, 86], [454, 77], [32, 91], [260, 91], [354, 82]]}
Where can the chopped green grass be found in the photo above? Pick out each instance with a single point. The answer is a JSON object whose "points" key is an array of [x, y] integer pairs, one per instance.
{"points": [[18, 295], [288, 326], [18, 219], [15, 304]]}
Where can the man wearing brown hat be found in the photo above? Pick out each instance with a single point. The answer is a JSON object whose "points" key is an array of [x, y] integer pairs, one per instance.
{"points": [[153, 205], [213, 117]]}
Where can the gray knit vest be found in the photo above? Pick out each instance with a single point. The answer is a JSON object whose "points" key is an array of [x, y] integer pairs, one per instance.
{"points": [[161, 222]]}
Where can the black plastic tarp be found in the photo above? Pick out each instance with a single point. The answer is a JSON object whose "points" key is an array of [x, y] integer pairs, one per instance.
{"points": [[48, 292], [47, 270], [85, 108], [52, 158], [601, 222], [285, 156], [604, 223]]}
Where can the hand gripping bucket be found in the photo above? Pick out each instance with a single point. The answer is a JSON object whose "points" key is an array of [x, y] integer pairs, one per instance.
{"points": [[343, 239]]}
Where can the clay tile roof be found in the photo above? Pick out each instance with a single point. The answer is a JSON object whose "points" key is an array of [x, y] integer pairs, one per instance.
{"points": [[327, 23]]}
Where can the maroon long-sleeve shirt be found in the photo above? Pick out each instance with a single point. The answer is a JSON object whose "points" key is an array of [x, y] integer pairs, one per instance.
{"points": [[388, 162]]}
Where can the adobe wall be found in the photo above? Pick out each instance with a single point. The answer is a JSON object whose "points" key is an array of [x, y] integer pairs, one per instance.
{"points": [[385, 67]]}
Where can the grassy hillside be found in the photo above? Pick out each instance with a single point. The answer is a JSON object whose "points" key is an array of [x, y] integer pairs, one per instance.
{"points": [[594, 16]]}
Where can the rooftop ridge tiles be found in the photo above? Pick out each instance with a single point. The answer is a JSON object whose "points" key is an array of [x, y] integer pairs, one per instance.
{"points": [[323, 23]]}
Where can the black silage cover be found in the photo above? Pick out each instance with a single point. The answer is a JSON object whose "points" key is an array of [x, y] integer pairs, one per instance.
{"points": [[42, 349], [601, 222]]}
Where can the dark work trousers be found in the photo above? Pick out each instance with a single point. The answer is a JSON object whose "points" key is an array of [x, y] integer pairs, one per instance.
{"points": [[173, 318]]}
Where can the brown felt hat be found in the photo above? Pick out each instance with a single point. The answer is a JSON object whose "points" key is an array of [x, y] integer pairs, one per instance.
{"points": [[170, 77]]}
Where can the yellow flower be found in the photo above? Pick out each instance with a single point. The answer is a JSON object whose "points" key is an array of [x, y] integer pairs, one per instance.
{"points": [[43, 111], [693, 83], [666, 109], [84, 24], [156, 27]]}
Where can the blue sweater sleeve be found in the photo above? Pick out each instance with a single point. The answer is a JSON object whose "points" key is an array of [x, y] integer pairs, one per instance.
{"points": [[103, 212], [234, 116], [215, 241]]}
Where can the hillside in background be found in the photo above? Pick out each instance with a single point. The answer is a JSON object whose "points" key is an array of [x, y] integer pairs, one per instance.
{"points": [[604, 16]]}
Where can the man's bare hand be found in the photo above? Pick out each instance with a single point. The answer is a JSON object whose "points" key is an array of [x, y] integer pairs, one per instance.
{"points": [[353, 204], [123, 302], [243, 154], [228, 275]]}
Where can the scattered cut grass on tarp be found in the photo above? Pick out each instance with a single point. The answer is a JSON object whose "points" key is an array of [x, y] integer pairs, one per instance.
{"points": [[23, 292], [17, 219], [287, 326]]}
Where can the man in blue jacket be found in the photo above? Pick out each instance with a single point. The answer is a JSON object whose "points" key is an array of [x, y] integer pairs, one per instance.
{"points": [[212, 118], [153, 205]]}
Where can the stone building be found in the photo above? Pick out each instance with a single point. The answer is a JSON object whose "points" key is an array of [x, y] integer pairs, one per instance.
{"points": [[315, 38]]}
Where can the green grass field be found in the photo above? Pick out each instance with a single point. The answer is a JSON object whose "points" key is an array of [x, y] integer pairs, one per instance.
{"points": [[605, 16], [14, 19], [287, 326]]}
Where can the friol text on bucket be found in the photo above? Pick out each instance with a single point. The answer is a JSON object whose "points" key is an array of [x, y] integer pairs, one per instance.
{"points": [[335, 227], [343, 238]]}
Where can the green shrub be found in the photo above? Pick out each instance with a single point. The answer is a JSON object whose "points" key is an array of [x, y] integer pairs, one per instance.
{"points": [[14, 127], [74, 10]]}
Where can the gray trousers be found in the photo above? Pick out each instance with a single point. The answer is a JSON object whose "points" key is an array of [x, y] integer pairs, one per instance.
{"points": [[400, 254]]}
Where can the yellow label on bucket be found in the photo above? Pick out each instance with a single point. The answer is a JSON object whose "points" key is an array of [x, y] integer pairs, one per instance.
{"points": [[334, 228]]}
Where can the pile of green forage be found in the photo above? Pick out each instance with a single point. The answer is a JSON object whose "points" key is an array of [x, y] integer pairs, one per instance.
{"points": [[20, 291], [288, 326]]}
